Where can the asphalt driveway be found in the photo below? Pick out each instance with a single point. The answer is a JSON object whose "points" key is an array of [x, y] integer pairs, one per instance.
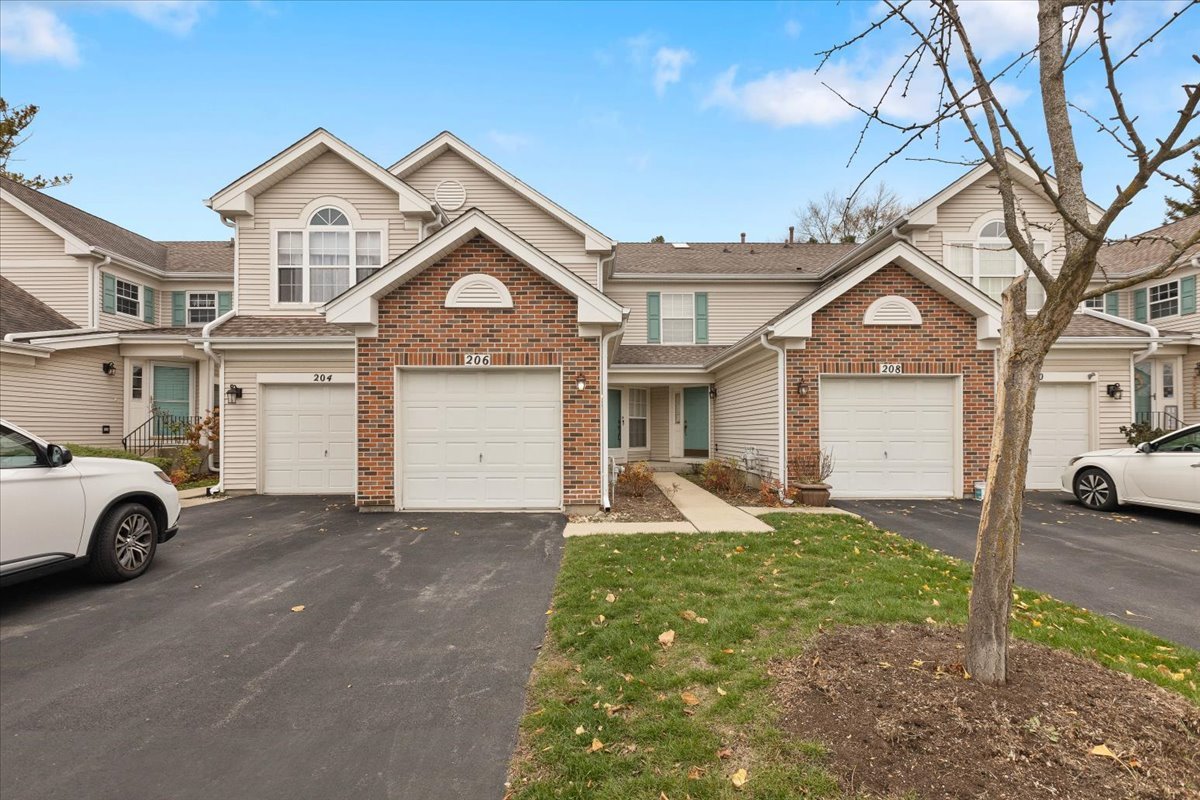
{"points": [[1138, 565], [403, 676]]}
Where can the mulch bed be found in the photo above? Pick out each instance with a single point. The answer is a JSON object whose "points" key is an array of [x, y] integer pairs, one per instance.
{"points": [[738, 496], [897, 714], [654, 506]]}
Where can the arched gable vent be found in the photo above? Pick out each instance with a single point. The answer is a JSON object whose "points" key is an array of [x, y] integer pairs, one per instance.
{"points": [[892, 310], [478, 291]]}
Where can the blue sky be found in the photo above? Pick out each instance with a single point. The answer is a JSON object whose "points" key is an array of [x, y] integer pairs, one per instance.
{"points": [[694, 120]]}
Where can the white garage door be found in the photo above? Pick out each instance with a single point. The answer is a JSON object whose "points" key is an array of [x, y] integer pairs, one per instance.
{"points": [[891, 437], [480, 439], [1061, 425], [308, 439]]}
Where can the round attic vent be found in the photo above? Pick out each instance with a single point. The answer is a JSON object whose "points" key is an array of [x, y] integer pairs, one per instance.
{"points": [[450, 195]]}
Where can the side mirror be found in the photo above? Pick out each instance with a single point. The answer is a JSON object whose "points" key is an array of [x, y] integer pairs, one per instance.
{"points": [[58, 456], [1145, 447]]}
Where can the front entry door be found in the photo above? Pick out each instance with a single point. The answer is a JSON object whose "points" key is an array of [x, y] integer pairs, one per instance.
{"points": [[172, 396], [695, 421], [614, 419]]}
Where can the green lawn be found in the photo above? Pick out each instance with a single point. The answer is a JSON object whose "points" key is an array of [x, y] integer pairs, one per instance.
{"points": [[603, 676]]}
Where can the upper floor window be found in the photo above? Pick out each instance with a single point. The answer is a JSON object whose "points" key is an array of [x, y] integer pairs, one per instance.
{"points": [[129, 298], [1094, 303], [325, 259], [1164, 300], [992, 263], [201, 307], [678, 319]]}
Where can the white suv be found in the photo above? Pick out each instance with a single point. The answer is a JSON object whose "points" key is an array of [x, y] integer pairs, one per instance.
{"points": [[58, 512]]}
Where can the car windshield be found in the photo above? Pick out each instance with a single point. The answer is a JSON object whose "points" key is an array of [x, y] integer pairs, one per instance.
{"points": [[1185, 442], [17, 450]]}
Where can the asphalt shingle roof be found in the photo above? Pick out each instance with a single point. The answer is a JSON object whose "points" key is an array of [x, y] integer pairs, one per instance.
{"points": [[1144, 251], [97, 232], [1087, 325], [21, 312], [278, 326], [726, 258], [693, 355]]}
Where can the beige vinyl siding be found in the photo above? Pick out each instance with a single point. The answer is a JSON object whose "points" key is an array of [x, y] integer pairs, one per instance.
{"points": [[163, 308], [660, 423], [734, 310], [327, 175], [32, 257], [957, 214], [241, 418], [121, 322], [1189, 405], [66, 398], [746, 411], [510, 209], [1111, 365], [1188, 322]]}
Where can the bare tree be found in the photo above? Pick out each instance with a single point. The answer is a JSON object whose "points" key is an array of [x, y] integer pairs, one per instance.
{"points": [[834, 218], [1068, 31]]}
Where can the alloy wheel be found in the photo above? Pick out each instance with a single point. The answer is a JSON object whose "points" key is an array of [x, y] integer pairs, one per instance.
{"points": [[1093, 490], [134, 536]]}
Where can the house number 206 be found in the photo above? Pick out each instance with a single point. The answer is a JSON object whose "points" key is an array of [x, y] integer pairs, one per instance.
{"points": [[477, 359]]}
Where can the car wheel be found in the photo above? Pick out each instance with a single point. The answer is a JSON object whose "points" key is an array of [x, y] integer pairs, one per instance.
{"points": [[125, 543], [1096, 490]]}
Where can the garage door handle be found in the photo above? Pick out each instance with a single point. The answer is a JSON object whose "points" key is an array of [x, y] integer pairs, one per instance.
{"points": [[481, 458]]}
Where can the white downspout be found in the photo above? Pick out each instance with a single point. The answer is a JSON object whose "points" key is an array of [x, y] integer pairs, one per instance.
{"points": [[205, 332], [605, 503], [781, 376], [602, 265]]}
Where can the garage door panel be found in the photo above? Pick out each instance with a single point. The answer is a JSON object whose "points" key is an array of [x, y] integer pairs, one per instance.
{"points": [[309, 439], [480, 439], [891, 437], [1061, 430]]}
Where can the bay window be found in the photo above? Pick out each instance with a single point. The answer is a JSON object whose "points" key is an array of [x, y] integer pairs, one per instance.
{"points": [[325, 259]]}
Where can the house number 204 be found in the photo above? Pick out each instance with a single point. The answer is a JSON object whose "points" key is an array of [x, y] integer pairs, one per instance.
{"points": [[322, 377]]}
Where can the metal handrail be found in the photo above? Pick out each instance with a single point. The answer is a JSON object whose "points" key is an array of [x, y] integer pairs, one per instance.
{"points": [[160, 430]]}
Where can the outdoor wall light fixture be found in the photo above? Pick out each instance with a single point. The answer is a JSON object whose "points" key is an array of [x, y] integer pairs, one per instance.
{"points": [[233, 394], [1114, 391], [580, 382], [712, 391], [109, 368], [801, 387]]}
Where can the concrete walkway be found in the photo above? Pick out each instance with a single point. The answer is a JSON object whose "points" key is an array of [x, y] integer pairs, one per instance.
{"points": [[709, 513]]}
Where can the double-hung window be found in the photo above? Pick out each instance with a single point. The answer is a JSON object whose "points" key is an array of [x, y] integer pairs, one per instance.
{"points": [[201, 307], [992, 263], [129, 300], [1164, 300], [639, 410], [325, 259], [678, 319], [1094, 303]]}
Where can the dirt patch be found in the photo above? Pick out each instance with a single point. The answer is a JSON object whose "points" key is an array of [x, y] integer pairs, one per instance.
{"points": [[740, 495], [654, 506], [897, 714]]}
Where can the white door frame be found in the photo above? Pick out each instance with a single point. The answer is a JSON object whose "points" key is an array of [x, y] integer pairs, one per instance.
{"points": [[398, 429]]}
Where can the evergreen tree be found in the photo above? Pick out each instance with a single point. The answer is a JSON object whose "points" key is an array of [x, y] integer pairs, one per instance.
{"points": [[1178, 209]]}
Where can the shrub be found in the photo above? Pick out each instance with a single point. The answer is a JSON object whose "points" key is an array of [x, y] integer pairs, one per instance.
{"points": [[87, 451], [768, 492], [720, 475], [812, 468], [636, 479], [1140, 432]]}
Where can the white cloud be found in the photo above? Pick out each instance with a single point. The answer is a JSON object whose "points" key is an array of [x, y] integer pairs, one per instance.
{"points": [[176, 16], [792, 29], [669, 63], [508, 141], [35, 33], [1000, 27]]}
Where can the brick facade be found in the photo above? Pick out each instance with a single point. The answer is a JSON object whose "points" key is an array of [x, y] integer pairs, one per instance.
{"points": [[415, 329], [944, 344]]}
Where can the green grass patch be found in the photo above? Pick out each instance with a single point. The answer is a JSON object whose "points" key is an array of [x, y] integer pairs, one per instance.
{"points": [[87, 451], [603, 674]]}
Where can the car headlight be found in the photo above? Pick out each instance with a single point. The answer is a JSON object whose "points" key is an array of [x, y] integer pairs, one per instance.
{"points": [[162, 476]]}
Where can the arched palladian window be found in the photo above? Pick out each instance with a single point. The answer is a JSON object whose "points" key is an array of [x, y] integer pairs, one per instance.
{"points": [[324, 259], [991, 263]]}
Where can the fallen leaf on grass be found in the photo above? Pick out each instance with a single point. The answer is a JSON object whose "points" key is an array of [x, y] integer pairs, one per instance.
{"points": [[721, 691], [739, 778], [596, 745], [297, 608], [580, 730], [610, 598], [666, 638], [689, 699], [688, 614], [694, 773], [1102, 750]]}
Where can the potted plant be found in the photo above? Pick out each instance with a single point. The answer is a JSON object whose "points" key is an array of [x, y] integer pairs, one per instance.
{"points": [[809, 476]]}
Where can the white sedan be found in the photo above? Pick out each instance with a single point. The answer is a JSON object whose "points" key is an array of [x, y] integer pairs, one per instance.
{"points": [[1164, 473], [57, 511]]}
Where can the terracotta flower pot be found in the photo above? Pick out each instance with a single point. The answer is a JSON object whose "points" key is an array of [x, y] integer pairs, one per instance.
{"points": [[813, 494]]}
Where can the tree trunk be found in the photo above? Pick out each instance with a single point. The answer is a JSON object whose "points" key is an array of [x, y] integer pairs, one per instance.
{"points": [[1019, 372]]}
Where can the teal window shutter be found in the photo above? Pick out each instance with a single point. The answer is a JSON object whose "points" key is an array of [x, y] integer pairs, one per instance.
{"points": [[224, 302], [179, 309], [147, 304], [1187, 295], [1112, 304], [701, 317], [110, 293], [653, 318], [1140, 313]]}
